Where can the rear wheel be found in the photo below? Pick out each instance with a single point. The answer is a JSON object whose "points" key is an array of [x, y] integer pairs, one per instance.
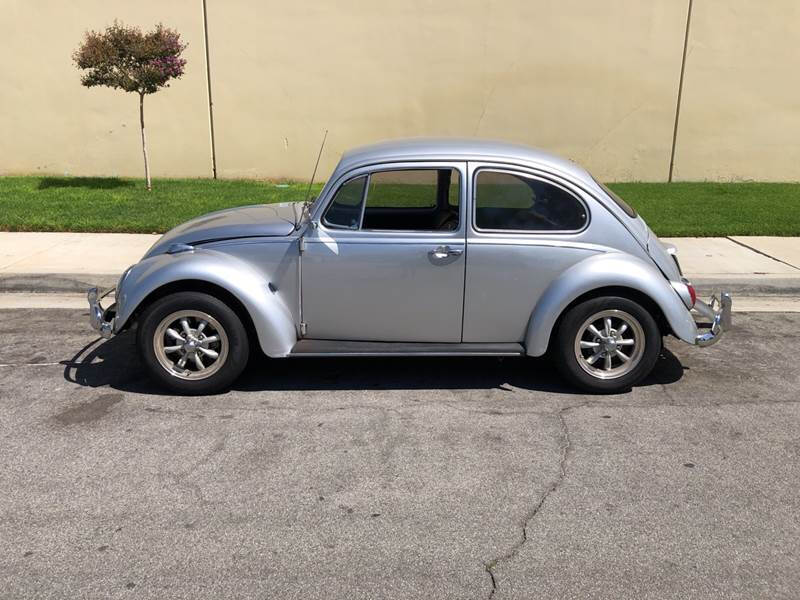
{"points": [[192, 343], [607, 344]]}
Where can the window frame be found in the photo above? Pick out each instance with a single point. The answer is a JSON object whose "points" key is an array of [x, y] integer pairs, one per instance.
{"points": [[460, 167], [524, 174]]}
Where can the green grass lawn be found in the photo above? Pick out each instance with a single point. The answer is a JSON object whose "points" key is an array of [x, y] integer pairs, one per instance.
{"points": [[123, 205], [715, 209]]}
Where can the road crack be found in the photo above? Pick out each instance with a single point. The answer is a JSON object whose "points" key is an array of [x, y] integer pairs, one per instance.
{"points": [[183, 479], [565, 449]]}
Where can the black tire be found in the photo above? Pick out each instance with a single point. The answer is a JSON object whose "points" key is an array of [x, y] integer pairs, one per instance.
{"points": [[621, 310], [232, 349]]}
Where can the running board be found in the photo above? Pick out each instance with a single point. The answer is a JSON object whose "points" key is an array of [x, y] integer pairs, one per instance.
{"points": [[306, 347]]}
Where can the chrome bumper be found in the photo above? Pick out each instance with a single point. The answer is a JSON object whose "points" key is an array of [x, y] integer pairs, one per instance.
{"points": [[718, 312], [101, 320]]}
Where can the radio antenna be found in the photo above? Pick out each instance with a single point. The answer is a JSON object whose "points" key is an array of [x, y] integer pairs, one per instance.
{"points": [[314, 174]]}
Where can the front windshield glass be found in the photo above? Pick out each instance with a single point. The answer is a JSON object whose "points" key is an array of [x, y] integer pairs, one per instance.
{"points": [[627, 208]]}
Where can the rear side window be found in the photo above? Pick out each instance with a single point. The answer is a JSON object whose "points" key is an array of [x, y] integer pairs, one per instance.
{"points": [[514, 202], [627, 208], [345, 209]]}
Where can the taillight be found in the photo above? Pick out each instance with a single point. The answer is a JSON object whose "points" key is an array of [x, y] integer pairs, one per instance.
{"points": [[692, 293]]}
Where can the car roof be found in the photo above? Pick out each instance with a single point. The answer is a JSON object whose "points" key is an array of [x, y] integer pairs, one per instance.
{"points": [[412, 149]]}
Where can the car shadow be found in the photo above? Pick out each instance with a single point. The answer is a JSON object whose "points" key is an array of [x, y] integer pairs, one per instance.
{"points": [[115, 363], [92, 183]]}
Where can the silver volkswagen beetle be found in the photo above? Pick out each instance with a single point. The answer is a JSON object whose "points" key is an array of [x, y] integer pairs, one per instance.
{"points": [[416, 247]]}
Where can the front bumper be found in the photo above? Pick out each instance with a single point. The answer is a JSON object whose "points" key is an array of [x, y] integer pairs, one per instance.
{"points": [[101, 320], [718, 313]]}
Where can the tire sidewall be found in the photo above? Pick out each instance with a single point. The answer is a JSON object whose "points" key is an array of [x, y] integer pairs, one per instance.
{"points": [[238, 345], [568, 329]]}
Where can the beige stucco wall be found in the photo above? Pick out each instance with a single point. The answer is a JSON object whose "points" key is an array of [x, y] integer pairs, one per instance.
{"points": [[595, 81], [50, 123], [740, 115]]}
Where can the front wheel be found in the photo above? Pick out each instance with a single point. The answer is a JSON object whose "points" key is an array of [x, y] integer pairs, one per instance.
{"points": [[607, 344], [192, 343]]}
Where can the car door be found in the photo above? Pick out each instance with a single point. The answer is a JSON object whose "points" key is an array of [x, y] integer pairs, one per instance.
{"points": [[526, 229], [384, 260]]}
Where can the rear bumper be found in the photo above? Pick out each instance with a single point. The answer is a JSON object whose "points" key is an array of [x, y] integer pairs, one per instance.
{"points": [[718, 313], [101, 320]]}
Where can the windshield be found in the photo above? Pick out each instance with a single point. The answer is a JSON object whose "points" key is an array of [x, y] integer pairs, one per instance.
{"points": [[627, 208]]}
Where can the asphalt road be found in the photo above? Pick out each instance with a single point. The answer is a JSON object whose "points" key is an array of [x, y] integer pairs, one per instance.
{"points": [[398, 478]]}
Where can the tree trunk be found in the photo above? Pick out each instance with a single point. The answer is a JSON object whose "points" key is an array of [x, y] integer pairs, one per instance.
{"points": [[144, 142]]}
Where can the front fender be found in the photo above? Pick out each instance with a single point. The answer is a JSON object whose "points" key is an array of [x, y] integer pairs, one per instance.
{"points": [[599, 271], [273, 320]]}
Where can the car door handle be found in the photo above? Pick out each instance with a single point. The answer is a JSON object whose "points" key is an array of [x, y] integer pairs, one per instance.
{"points": [[441, 252]]}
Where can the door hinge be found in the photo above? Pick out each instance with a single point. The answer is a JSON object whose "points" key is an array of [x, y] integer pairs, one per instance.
{"points": [[302, 245], [303, 328]]}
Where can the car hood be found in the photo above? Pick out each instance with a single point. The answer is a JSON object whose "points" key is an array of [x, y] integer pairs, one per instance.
{"points": [[258, 220]]}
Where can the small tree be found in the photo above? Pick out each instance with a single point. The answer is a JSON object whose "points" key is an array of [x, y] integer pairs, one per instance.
{"points": [[125, 58]]}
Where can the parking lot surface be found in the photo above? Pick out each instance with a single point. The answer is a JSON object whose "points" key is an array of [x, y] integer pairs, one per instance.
{"points": [[398, 478]]}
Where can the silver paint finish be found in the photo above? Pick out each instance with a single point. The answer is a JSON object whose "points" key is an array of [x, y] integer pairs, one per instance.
{"points": [[508, 272], [662, 255], [271, 315], [599, 271], [682, 289], [386, 285], [464, 149], [239, 222], [489, 152], [442, 286], [382, 290], [504, 283]]}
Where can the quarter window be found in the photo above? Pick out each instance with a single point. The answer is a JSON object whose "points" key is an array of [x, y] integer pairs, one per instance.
{"points": [[509, 201], [345, 209]]}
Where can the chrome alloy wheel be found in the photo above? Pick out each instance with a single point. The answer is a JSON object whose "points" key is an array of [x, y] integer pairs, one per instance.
{"points": [[190, 344], [609, 344]]}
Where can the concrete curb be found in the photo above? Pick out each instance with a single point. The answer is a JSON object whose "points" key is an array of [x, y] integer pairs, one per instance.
{"points": [[747, 285], [55, 283]]}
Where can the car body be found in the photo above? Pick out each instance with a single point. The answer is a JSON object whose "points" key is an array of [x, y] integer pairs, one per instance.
{"points": [[424, 246]]}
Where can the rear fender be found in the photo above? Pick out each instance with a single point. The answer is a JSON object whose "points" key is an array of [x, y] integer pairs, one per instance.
{"points": [[273, 320], [599, 271]]}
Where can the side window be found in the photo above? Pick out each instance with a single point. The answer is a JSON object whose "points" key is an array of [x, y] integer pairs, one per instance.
{"points": [[508, 201], [345, 209], [413, 200]]}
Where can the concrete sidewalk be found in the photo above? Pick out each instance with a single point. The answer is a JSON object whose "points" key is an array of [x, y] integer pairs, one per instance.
{"points": [[69, 262]]}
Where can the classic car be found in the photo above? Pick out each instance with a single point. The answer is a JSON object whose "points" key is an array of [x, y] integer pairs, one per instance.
{"points": [[426, 247]]}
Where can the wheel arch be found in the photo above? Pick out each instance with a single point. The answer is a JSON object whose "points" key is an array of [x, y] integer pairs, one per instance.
{"points": [[612, 274], [232, 281], [621, 292], [192, 285]]}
